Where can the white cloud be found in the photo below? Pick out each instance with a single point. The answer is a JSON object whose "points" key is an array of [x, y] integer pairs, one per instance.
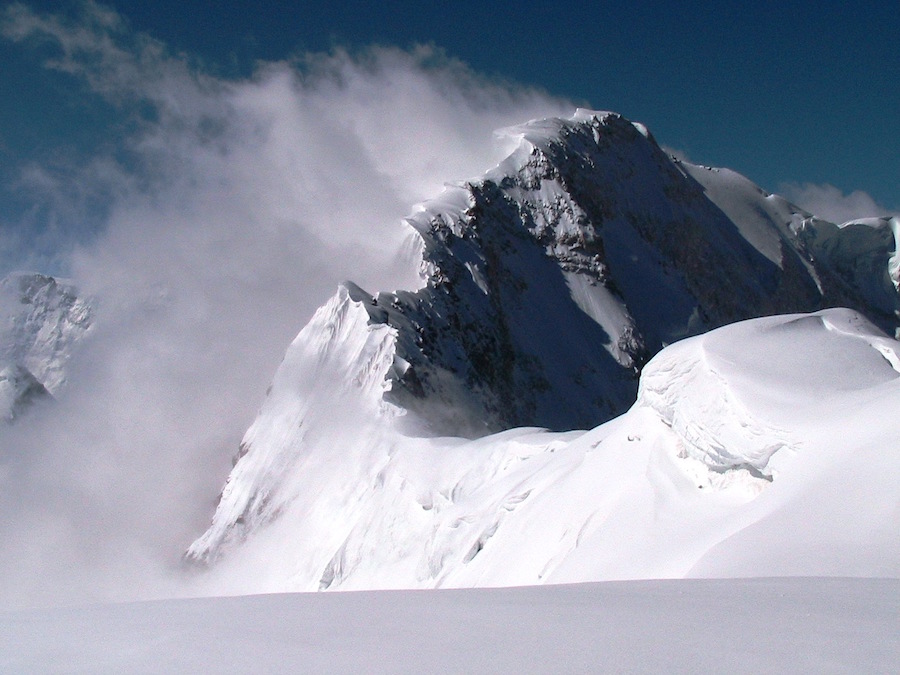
{"points": [[831, 204], [238, 208]]}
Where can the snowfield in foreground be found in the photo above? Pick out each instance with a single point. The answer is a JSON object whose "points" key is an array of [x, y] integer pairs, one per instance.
{"points": [[726, 626]]}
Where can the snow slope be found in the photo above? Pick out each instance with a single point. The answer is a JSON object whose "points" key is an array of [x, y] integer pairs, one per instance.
{"points": [[762, 448], [549, 284], [854, 264], [41, 321], [734, 626]]}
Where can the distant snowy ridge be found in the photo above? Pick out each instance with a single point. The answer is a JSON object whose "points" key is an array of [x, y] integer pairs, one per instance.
{"points": [[41, 321], [865, 253], [549, 283]]}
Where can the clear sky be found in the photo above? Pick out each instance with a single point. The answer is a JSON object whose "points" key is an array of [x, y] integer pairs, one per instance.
{"points": [[785, 92]]}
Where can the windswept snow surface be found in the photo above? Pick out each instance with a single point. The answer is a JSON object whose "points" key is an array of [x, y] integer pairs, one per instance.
{"points": [[733, 626], [762, 448]]}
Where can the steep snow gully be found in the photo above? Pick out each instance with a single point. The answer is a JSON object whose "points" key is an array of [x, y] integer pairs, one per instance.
{"points": [[404, 441]]}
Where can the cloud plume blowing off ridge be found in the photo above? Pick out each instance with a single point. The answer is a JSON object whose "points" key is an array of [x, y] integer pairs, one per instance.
{"points": [[831, 204], [237, 209]]}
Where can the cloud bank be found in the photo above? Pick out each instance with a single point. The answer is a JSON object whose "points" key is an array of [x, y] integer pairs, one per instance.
{"points": [[229, 211], [831, 204]]}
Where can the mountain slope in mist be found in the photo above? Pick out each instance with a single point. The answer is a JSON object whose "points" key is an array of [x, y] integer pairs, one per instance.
{"points": [[549, 283], [41, 321]]}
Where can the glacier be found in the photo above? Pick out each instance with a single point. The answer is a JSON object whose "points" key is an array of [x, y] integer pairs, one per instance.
{"points": [[434, 437]]}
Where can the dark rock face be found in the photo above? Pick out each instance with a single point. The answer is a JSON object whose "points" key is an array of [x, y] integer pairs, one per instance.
{"points": [[553, 279]]}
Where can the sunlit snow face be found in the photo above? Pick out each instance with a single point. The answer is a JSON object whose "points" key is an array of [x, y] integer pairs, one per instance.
{"points": [[238, 208]]}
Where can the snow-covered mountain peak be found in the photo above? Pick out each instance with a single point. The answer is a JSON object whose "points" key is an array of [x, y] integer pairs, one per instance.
{"points": [[41, 320], [538, 133], [333, 374], [645, 248], [19, 389], [550, 282]]}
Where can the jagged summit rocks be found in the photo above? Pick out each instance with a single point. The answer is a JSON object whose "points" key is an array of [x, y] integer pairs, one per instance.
{"points": [[549, 283]]}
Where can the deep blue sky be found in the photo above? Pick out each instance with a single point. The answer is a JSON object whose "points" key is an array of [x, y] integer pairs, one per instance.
{"points": [[780, 91]]}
